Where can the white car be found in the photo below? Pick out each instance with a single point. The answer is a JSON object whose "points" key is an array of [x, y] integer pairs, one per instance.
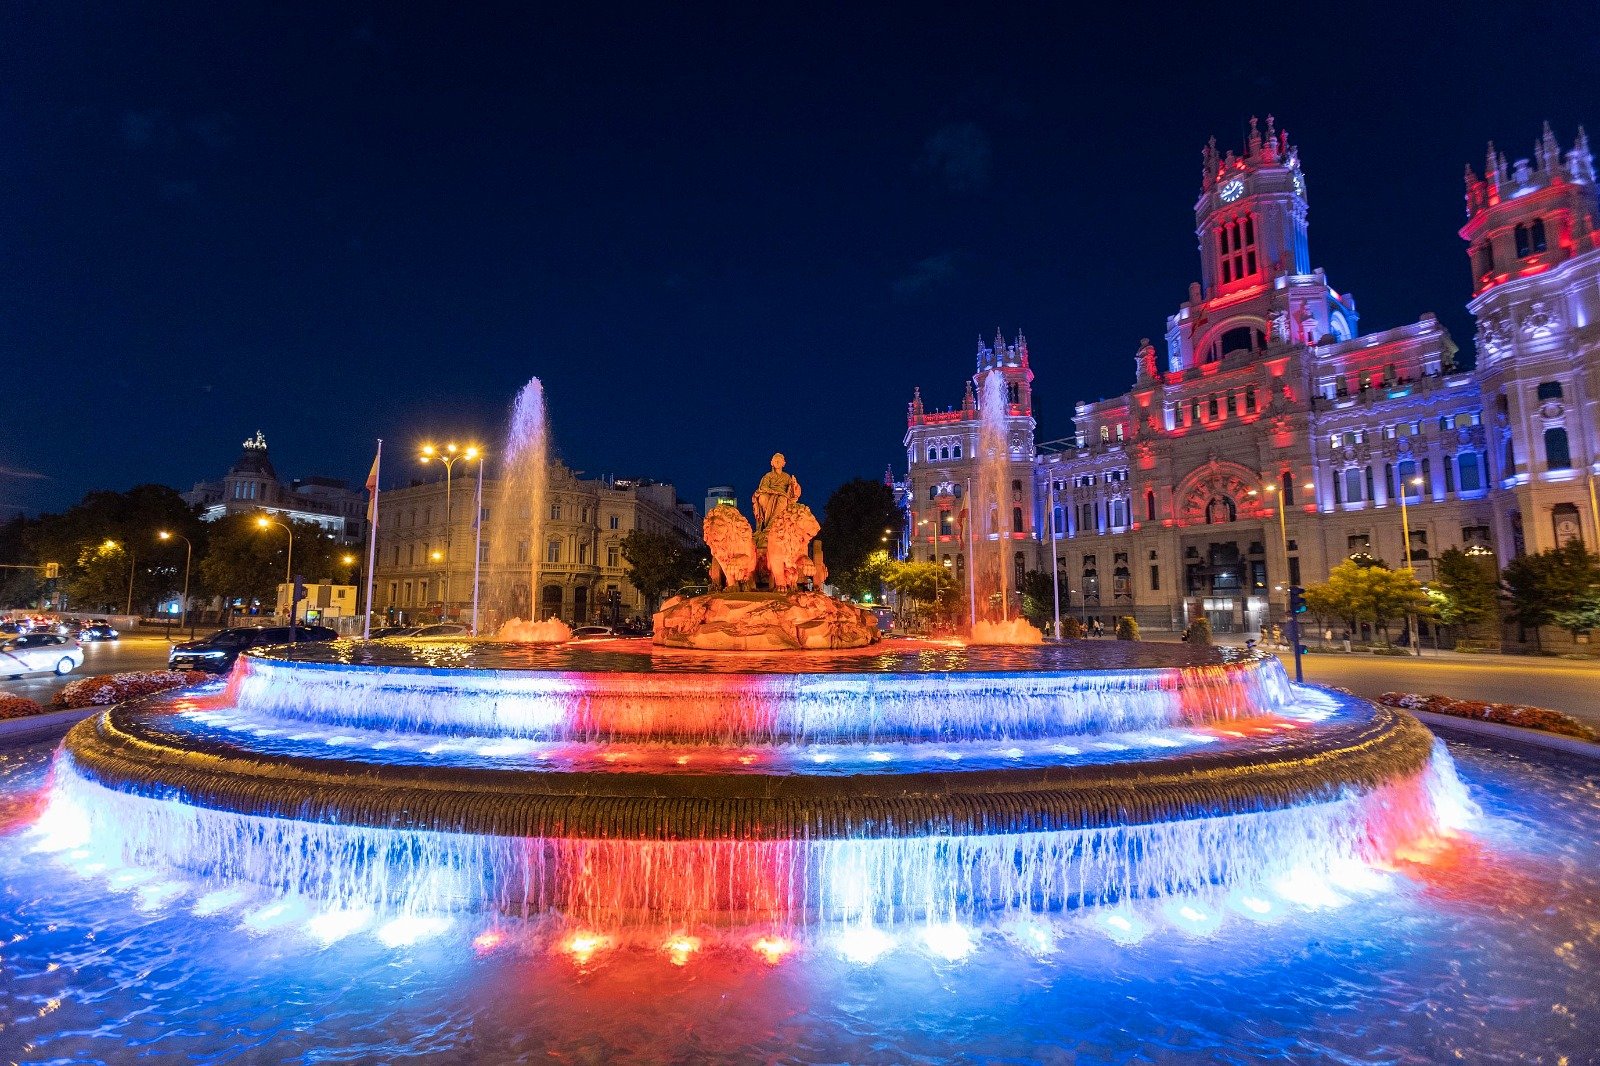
{"points": [[39, 653]]}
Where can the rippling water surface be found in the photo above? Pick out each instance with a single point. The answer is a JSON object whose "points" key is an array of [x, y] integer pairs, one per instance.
{"points": [[1485, 951]]}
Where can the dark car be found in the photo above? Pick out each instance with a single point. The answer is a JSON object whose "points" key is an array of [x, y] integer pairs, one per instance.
{"points": [[97, 631], [216, 653], [442, 629], [393, 631]]}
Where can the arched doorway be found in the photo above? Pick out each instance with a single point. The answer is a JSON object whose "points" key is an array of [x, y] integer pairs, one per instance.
{"points": [[550, 602]]}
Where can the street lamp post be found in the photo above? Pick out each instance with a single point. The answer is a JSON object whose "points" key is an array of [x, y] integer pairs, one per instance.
{"points": [[1405, 536], [477, 540], [288, 566], [188, 556], [449, 455]]}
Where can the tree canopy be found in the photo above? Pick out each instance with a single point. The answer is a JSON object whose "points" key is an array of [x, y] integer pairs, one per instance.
{"points": [[1367, 592], [659, 565], [1467, 587], [1560, 586], [855, 520]]}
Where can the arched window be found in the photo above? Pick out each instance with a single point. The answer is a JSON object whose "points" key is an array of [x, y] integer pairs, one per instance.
{"points": [[1530, 238], [1058, 520], [945, 527], [944, 453], [1016, 520], [1352, 485], [933, 492], [1149, 505], [933, 454], [1557, 455], [955, 453], [1408, 473], [1013, 393], [1470, 480]]}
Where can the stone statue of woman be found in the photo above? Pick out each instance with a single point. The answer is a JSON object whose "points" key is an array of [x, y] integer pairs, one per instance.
{"points": [[777, 491]]}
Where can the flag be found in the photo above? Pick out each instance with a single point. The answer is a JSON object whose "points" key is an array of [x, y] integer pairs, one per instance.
{"points": [[372, 485]]}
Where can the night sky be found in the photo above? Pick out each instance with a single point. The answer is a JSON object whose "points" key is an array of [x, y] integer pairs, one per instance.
{"points": [[712, 235]]}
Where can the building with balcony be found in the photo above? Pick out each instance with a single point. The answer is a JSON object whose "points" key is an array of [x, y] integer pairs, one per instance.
{"points": [[425, 566]]}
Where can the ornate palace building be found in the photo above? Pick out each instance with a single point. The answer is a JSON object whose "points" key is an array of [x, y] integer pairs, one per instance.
{"points": [[425, 565], [1273, 439], [252, 484]]}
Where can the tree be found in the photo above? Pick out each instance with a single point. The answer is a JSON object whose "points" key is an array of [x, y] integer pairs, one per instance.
{"points": [[927, 584], [1127, 628], [1468, 589], [129, 520], [1555, 587], [856, 518], [1039, 598], [1367, 591], [244, 561], [659, 565]]}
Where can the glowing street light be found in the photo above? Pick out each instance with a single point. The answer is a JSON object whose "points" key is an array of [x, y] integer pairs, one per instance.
{"points": [[188, 556], [288, 565]]}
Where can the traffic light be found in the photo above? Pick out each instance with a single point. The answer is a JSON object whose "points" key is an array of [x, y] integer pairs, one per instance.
{"points": [[52, 571], [1297, 600]]}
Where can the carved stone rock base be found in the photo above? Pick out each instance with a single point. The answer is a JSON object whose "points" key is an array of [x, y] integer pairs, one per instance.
{"points": [[763, 621]]}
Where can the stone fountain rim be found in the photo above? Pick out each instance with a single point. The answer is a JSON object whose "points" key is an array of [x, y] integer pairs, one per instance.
{"points": [[124, 749]]}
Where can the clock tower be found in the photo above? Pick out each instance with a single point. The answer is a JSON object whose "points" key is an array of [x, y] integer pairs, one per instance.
{"points": [[1251, 215]]}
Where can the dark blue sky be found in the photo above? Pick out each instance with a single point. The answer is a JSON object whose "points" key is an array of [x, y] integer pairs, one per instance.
{"points": [[712, 235]]}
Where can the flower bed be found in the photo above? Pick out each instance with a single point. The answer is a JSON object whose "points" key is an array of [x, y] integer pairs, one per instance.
{"points": [[17, 706], [1505, 713], [106, 689]]}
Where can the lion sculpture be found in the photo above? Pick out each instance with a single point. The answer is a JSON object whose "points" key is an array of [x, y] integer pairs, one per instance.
{"points": [[733, 548], [788, 539]]}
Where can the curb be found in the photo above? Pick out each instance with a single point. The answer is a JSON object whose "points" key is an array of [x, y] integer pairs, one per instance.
{"points": [[16, 732], [1516, 734]]}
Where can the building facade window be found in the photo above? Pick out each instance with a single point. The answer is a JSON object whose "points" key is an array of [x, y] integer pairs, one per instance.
{"points": [[1530, 238], [1557, 454], [1352, 485], [1549, 390], [1470, 479], [552, 552]]}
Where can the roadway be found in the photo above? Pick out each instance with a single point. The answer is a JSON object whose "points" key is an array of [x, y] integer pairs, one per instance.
{"points": [[1559, 684], [135, 652]]}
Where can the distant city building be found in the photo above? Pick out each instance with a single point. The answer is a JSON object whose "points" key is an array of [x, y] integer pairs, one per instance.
{"points": [[323, 602], [716, 494], [1164, 503], [253, 485], [581, 575]]}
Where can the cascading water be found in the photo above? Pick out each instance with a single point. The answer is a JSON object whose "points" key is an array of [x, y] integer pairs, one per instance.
{"points": [[613, 788], [517, 515]]}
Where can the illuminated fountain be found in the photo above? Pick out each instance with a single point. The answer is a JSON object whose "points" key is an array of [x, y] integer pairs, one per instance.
{"points": [[515, 517], [624, 788], [996, 624]]}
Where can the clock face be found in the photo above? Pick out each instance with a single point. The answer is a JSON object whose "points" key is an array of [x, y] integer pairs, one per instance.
{"points": [[1231, 190], [1299, 184]]}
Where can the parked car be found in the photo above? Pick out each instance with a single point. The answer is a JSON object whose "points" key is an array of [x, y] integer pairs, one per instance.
{"points": [[442, 629], [97, 631], [216, 654], [393, 631], [39, 653], [593, 633]]}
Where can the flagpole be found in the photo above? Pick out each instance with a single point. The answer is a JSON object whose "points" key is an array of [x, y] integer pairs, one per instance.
{"points": [[372, 542]]}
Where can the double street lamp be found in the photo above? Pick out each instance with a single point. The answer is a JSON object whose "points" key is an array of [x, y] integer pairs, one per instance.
{"points": [[449, 456], [1405, 536]]}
